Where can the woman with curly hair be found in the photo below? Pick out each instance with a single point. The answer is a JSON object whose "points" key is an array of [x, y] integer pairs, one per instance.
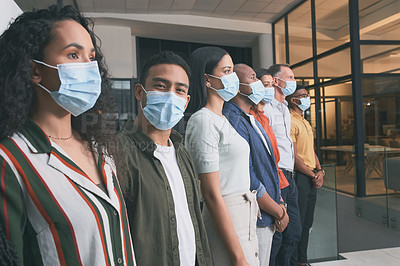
{"points": [[61, 202]]}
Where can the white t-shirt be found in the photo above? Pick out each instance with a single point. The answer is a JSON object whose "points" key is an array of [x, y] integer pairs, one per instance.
{"points": [[216, 146], [186, 236]]}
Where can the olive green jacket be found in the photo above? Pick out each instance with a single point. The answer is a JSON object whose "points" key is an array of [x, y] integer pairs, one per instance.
{"points": [[150, 204]]}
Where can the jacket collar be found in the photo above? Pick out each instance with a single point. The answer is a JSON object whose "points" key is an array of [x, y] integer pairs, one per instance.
{"points": [[234, 108], [143, 142]]}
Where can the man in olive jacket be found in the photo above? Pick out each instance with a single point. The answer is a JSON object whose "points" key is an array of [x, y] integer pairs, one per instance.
{"points": [[162, 194]]}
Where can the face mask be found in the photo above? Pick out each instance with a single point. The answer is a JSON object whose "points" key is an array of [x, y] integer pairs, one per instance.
{"points": [[304, 103], [269, 94], [231, 86], [163, 109], [257, 91], [290, 87], [80, 86]]}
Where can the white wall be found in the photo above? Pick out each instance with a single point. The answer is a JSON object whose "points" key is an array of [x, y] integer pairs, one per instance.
{"points": [[9, 10], [116, 45], [265, 50], [134, 58]]}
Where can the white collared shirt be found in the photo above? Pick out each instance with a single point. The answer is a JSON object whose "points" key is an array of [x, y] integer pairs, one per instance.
{"points": [[279, 119]]}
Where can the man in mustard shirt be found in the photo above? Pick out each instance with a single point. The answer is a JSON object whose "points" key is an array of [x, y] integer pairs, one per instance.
{"points": [[308, 172]]}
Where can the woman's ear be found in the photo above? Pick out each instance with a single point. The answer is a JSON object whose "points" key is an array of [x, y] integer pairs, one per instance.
{"points": [[36, 77], [207, 81]]}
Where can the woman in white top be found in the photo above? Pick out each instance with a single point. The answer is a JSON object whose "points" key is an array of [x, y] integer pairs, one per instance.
{"points": [[221, 158]]}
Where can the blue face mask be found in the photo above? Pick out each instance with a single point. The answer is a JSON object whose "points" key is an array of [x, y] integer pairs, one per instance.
{"points": [[304, 103], [257, 91], [290, 87], [231, 86], [269, 94], [80, 86], [163, 109]]}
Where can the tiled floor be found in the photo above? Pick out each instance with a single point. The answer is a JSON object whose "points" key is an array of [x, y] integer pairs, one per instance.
{"points": [[378, 257]]}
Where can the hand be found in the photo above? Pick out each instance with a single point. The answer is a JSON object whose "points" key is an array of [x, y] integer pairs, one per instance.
{"points": [[318, 179], [280, 225]]}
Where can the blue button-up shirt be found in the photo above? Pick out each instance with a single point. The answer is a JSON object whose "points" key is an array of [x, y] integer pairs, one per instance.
{"points": [[263, 171]]}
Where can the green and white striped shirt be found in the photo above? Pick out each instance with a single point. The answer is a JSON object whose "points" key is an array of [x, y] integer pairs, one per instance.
{"points": [[53, 213]]}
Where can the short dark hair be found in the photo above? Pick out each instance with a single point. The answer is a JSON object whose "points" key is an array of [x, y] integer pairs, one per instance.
{"points": [[202, 61], [164, 57], [276, 69], [262, 72]]}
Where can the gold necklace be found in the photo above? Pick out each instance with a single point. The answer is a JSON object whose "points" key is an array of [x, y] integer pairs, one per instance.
{"points": [[67, 138]]}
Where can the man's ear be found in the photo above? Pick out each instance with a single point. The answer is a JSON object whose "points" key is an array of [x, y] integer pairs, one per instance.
{"points": [[36, 74], [187, 101], [275, 81], [294, 100], [139, 92]]}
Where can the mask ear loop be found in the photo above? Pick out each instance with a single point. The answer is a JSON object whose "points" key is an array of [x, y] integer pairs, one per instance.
{"points": [[216, 78], [141, 107], [246, 85], [277, 83], [43, 63], [43, 87]]}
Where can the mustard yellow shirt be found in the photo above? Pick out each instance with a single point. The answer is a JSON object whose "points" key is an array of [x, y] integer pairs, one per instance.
{"points": [[302, 134]]}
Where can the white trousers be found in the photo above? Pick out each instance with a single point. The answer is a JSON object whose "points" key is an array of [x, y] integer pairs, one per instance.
{"points": [[265, 235], [243, 209]]}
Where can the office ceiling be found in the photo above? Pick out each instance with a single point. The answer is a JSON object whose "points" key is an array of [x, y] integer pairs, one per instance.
{"points": [[249, 10]]}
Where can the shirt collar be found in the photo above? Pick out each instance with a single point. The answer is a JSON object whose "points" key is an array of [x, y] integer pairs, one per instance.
{"points": [[275, 102], [35, 138], [144, 142], [294, 113]]}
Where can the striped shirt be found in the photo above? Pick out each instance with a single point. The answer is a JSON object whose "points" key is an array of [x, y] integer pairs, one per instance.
{"points": [[53, 213]]}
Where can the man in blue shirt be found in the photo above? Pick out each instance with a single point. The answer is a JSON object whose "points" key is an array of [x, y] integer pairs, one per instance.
{"points": [[263, 171]]}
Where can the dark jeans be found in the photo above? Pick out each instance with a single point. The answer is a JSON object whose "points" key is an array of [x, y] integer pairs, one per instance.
{"points": [[307, 201], [284, 244]]}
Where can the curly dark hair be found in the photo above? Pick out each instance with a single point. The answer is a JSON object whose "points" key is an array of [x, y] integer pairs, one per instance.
{"points": [[26, 39]]}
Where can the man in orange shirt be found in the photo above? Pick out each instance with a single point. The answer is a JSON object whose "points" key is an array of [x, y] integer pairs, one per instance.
{"points": [[283, 244]]}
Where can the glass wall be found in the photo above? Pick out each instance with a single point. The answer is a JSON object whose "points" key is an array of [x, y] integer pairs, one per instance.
{"points": [[379, 19], [300, 33], [380, 59], [280, 42], [337, 126], [332, 24], [147, 47], [124, 99], [323, 242], [366, 123]]}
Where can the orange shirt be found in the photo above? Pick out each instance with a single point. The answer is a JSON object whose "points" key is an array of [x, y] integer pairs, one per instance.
{"points": [[260, 117]]}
